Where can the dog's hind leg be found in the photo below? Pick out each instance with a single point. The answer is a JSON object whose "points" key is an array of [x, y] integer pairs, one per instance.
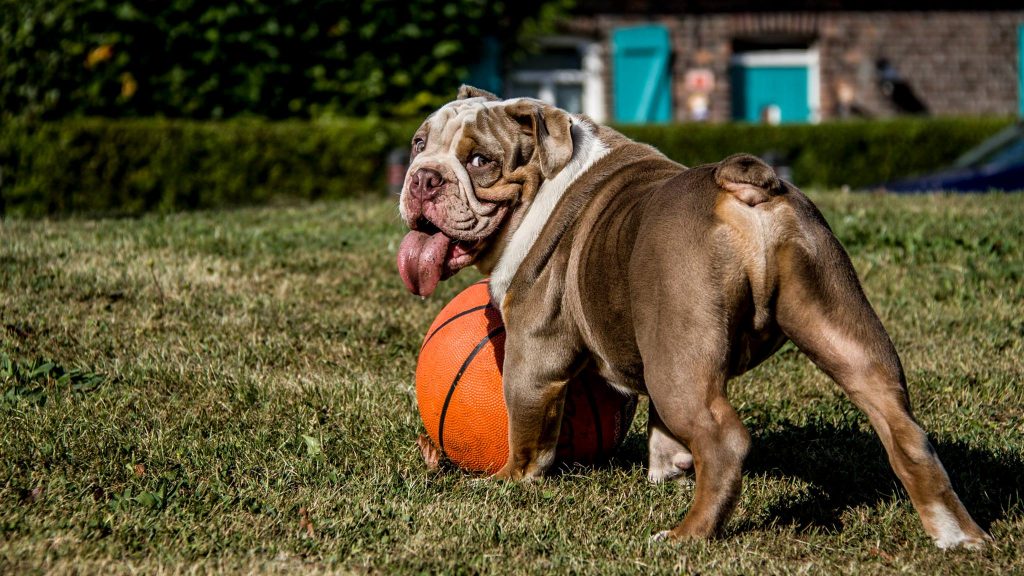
{"points": [[685, 346], [823, 310], [686, 384], [705, 421]]}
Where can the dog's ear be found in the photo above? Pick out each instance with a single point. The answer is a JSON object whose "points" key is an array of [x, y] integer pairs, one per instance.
{"points": [[748, 178], [467, 91], [551, 131]]}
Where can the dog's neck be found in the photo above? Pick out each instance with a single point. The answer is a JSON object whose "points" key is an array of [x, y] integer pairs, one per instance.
{"points": [[587, 149]]}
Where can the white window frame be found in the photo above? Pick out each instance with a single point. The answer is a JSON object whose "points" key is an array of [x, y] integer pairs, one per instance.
{"points": [[590, 77]]}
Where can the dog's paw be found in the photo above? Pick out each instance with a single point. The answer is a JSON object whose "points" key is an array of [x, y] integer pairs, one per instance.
{"points": [[663, 536], [951, 530], [508, 472], [676, 467], [965, 541]]}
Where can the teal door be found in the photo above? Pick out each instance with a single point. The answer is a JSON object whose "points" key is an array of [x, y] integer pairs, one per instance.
{"points": [[641, 80], [486, 73], [1020, 68], [756, 88]]}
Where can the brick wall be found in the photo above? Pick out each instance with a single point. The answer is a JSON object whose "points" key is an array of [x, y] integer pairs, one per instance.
{"points": [[956, 63]]}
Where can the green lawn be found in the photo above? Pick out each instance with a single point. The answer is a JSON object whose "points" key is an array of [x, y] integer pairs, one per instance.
{"points": [[233, 391]]}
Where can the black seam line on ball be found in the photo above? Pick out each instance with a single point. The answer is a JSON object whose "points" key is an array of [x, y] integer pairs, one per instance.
{"points": [[463, 313], [453, 319], [458, 376]]}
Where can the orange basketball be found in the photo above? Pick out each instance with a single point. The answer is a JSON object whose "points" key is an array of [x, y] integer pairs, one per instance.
{"points": [[458, 389]]}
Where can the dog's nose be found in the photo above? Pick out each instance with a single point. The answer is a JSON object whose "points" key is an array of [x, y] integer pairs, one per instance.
{"points": [[426, 183]]}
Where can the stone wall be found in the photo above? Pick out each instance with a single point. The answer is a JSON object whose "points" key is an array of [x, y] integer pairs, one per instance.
{"points": [[954, 62]]}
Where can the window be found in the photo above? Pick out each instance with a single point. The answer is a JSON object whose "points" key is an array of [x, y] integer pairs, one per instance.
{"points": [[566, 73]]}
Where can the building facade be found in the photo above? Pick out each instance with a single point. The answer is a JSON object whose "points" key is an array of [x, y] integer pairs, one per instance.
{"points": [[647, 61]]}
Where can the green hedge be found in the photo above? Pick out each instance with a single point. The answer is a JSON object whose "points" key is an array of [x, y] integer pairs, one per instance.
{"points": [[133, 166], [855, 153]]}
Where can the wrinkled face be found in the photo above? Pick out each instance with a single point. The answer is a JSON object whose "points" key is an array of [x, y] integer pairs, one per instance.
{"points": [[475, 163]]}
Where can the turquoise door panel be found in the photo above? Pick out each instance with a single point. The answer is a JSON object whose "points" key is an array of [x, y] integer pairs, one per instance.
{"points": [[640, 64], [486, 73], [1020, 68], [754, 88]]}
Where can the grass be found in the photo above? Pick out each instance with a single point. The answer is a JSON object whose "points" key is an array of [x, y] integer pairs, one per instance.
{"points": [[233, 391]]}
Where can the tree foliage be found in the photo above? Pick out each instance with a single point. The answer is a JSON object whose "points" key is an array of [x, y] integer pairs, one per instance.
{"points": [[197, 59]]}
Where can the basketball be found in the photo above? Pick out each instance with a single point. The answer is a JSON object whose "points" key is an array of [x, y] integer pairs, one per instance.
{"points": [[461, 402]]}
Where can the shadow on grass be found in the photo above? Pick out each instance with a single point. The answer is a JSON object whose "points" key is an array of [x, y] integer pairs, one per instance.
{"points": [[845, 467]]}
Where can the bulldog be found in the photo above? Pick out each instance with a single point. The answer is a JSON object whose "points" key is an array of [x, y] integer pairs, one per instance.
{"points": [[667, 281]]}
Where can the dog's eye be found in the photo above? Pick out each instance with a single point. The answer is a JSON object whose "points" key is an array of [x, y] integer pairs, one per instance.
{"points": [[418, 145], [479, 161]]}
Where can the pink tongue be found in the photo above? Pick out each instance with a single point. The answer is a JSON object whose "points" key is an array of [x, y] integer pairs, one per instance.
{"points": [[421, 260]]}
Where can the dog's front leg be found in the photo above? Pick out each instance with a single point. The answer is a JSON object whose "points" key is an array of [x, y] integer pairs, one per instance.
{"points": [[535, 376]]}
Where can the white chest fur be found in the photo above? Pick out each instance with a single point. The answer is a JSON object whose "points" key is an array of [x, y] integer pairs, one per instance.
{"points": [[586, 150]]}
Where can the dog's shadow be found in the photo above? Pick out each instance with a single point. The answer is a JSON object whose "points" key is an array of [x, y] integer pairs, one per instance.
{"points": [[842, 467]]}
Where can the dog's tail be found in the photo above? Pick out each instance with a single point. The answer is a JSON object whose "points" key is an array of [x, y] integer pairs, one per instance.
{"points": [[748, 178]]}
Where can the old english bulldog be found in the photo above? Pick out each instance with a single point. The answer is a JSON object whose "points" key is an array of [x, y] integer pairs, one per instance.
{"points": [[606, 255]]}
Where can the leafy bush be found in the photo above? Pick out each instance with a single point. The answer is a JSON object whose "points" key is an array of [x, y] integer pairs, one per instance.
{"points": [[197, 59], [134, 166], [856, 153]]}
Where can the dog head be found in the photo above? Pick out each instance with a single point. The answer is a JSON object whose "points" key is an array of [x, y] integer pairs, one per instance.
{"points": [[476, 165]]}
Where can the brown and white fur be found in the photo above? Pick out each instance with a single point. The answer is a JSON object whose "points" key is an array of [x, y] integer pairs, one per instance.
{"points": [[668, 281]]}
